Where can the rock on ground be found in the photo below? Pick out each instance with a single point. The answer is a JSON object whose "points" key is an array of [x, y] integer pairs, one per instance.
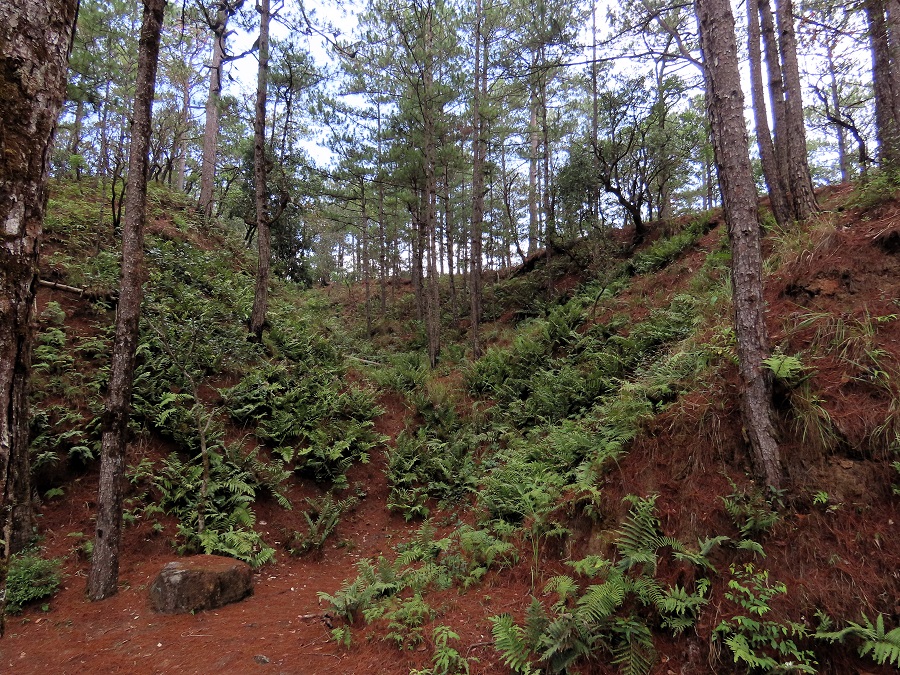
{"points": [[200, 582]]}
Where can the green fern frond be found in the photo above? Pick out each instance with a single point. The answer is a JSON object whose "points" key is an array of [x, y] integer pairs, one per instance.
{"points": [[636, 653], [562, 585], [601, 600], [639, 537], [884, 647], [509, 640]]}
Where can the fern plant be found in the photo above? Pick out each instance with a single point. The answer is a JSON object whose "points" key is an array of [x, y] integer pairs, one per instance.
{"points": [[322, 519], [446, 659], [880, 645], [235, 480]]}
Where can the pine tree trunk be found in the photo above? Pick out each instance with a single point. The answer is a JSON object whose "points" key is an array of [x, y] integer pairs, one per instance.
{"points": [[382, 239], [777, 198], [263, 235], [364, 227], [803, 197], [885, 85], [104, 574], [429, 131], [451, 232], [180, 149], [725, 105], [211, 125], [475, 234], [35, 36], [776, 97], [534, 218]]}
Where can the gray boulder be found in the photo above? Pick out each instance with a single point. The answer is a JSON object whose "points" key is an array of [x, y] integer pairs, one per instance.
{"points": [[200, 582]]}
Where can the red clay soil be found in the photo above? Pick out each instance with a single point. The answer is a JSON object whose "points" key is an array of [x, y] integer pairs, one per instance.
{"points": [[282, 628], [842, 557]]}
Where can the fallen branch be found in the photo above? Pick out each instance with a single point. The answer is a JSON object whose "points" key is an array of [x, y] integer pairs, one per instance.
{"points": [[90, 293], [61, 287]]}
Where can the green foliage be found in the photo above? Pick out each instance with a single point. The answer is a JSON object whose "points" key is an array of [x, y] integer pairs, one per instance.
{"points": [[304, 414], [602, 616], [755, 510], [763, 645], [30, 578], [371, 584], [881, 646], [322, 519], [484, 550], [879, 188], [236, 480], [422, 466], [405, 622], [788, 369], [663, 251], [446, 659]]}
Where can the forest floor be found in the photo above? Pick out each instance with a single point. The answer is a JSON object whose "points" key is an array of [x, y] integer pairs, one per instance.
{"points": [[688, 461]]}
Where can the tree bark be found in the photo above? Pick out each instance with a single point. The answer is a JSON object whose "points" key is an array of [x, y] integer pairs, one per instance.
{"points": [[777, 197], [35, 39], [478, 151], [886, 83], [104, 574], [725, 106], [429, 131], [211, 125], [803, 197], [534, 218], [776, 96], [382, 240], [263, 237]]}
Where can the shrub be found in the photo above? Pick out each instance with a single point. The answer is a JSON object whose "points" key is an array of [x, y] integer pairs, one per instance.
{"points": [[31, 578]]}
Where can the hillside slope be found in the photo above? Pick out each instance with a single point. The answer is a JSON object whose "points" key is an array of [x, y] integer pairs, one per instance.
{"points": [[577, 500]]}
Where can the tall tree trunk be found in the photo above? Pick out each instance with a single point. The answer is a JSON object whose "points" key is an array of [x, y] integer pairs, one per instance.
{"points": [[211, 125], [725, 106], [181, 137], [886, 85], [104, 574], [475, 234], [75, 141], [103, 161], [382, 241], [450, 231], [417, 252], [534, 219], [36, 37], [595, 119], [777, 198], [364, 227], [840, 131], [429, 130], [803, 196], [776, 97], [263, 237]]}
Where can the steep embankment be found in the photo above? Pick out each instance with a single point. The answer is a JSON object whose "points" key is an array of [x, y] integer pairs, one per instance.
{"points": [[585, 483]]}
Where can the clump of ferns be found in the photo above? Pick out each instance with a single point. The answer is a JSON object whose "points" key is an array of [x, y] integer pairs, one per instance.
{"points": [[615, 608]]}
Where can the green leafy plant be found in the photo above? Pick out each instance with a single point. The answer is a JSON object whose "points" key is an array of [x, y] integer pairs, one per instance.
{"points": [[30, 578], [754, 510], [784, 367], [761, 644], [446, 659], [405, 622], [219, 518], [880, 645], [422, 467], [322, 519]]}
